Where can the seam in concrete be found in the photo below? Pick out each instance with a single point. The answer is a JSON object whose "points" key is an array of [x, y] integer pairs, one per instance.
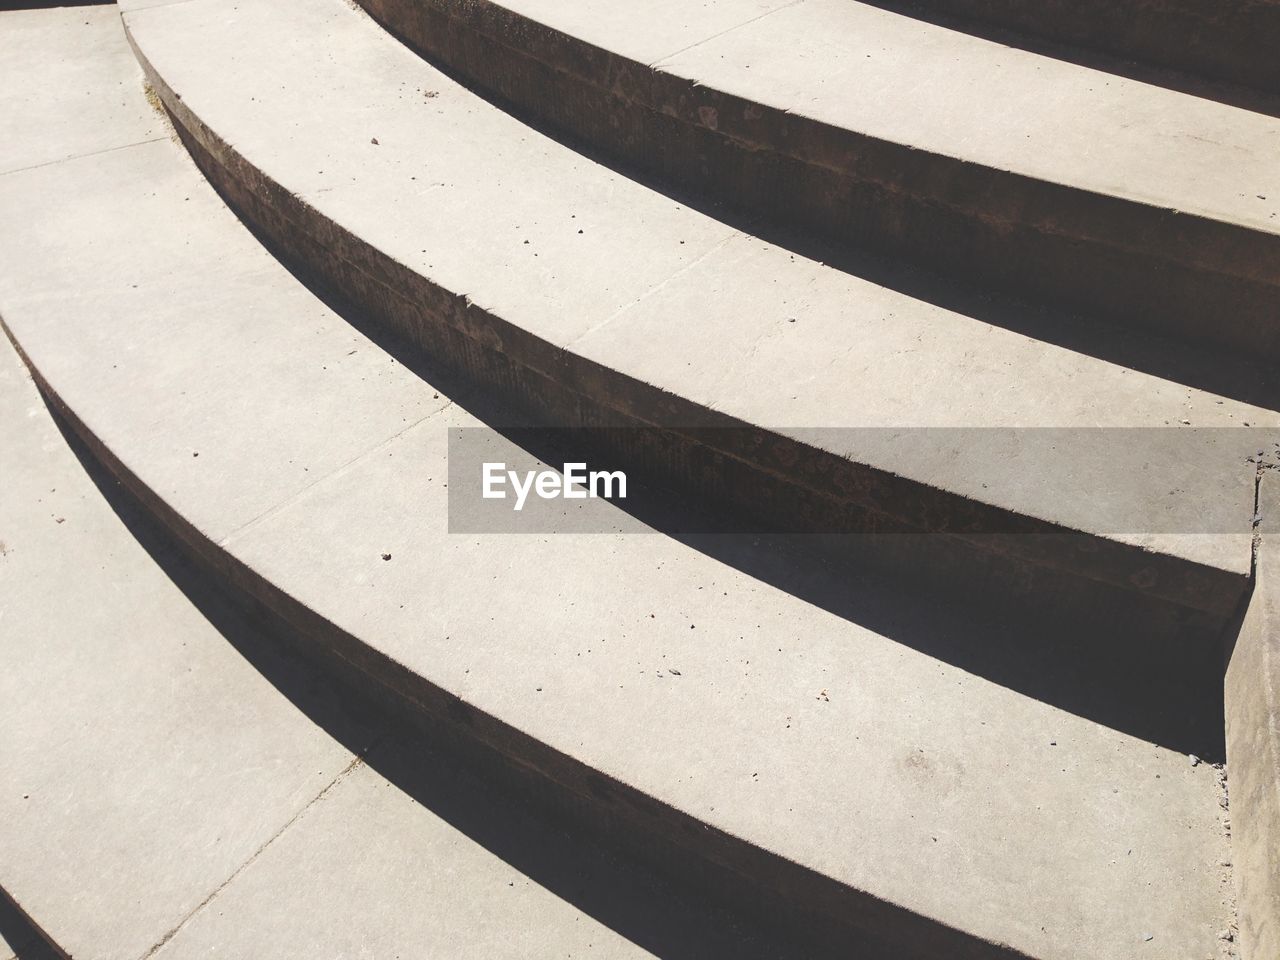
{"points": [[354, 765], [82, 156], [715, 36], [341, 468], [657, 287]]}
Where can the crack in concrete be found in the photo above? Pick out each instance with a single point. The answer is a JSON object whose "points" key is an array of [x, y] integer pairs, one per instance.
{"points": [[716, 36], [83, 156], [656, 288], [356, 762], [1261, 466], [336, 471]]}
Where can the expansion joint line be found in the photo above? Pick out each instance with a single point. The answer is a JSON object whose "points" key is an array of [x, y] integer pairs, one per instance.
{"points": [[356, 762]]}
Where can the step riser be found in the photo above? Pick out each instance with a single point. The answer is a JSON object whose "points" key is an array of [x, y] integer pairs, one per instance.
{"points": [[1235, 42], [804, 488], [803, 906], [1177, 274]]}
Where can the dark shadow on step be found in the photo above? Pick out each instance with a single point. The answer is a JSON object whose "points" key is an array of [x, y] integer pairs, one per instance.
{"points": [[1150, 671], [1231, 94], [1221, 373], [546, 841], [19, 937], [1146, 670], [666, 920]]}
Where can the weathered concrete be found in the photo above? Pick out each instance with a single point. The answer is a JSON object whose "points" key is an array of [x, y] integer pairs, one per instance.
{"points": [[1136, 203], [865, 775], [1253, 744], [1236, 42], [570, 287]]}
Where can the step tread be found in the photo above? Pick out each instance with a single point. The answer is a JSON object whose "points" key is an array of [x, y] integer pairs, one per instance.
{"points": [[74, 100], [144, 759], [949, 92], [366, 870], [454, 188], [182, 791], [907, 769]]}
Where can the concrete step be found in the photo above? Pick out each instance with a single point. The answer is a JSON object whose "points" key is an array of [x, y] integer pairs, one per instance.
{"points": [[160, 797], [171, 784], [78, 101], [881, 131], [1232, 42], [570, 289], [803, 744], [203, 794]]}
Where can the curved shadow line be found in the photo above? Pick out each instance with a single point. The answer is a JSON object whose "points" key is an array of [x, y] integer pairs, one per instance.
{"points": [[1216, 371], [506, 815], [1125, 662]]}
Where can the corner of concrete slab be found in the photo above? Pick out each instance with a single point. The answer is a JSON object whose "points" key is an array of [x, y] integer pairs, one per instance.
{"points": [[1253, 742]]}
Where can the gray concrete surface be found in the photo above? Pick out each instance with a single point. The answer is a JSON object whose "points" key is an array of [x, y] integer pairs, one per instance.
{"points": [[862, 759], [819, 739], [148, 771], [491, 224], [70, 86], [885, 132], [140, 184], [143, 761], [158, 791], [1253, 744], [997, 106], [367, 871]]}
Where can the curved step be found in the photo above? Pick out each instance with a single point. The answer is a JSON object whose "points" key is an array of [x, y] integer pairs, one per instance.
{"points": [[1142, 205], [1234, 42], [196, 811], [804, 756], [570, 288], [162, 791]]}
